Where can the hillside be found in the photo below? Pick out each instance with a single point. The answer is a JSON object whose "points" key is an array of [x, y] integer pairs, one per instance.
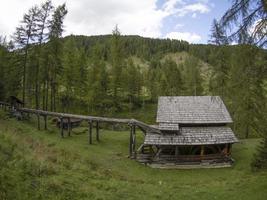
{"points": [[40, 165]]}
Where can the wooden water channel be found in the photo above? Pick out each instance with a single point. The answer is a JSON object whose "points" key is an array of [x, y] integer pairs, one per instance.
{"points": [[66, 119]]}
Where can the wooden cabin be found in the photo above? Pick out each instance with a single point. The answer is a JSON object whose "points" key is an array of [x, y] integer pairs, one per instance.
{"points": [[193, 132]]}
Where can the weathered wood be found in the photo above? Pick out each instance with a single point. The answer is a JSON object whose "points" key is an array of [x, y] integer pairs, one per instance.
{"points": [[131, 141], [45, 122], [90, 132], [202, 152], [38, 121], [82, 117], [69, 127], [61, 127], [134, 142], [97, 131]]}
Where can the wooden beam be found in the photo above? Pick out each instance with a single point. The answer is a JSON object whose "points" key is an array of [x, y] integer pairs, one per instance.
{"points": [[97, 131], [61, 127], [90, 132]]}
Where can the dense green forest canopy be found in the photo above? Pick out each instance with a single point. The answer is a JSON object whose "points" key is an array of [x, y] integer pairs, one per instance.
{"points": [[120, 75]]}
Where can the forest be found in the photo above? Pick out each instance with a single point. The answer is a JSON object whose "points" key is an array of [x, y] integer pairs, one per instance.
{"points": [[122, 76], [117, 75]]}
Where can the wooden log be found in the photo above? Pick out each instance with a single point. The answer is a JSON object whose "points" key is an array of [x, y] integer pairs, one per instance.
{"points": [[69, 127], [45, 122], [90, 131], [61, 127], [97, 131]]}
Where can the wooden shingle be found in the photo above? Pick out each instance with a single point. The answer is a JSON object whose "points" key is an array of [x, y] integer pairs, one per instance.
{"points": [[192, 110], [193, 136]]}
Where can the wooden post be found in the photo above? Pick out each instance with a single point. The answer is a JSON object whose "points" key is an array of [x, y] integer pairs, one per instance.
{"points": [[176, 151], [90, 132], [131, 141], [134, 141], [97, 131], [69, 127], [202, 150], [227, 148], [45, 122], [61, 127], [38, 121]]}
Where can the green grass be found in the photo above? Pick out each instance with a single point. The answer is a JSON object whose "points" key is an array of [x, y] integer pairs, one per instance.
{"points": [[41, 165]]}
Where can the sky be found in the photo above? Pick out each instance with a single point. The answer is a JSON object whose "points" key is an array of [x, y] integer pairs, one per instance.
{"points": [[188, 20]]}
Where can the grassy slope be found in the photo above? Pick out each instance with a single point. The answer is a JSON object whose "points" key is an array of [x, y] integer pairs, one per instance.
{"points": [[69, 168]]}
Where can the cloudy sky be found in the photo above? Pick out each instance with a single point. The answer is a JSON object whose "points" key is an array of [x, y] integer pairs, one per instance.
{"points": [[176, 19]]}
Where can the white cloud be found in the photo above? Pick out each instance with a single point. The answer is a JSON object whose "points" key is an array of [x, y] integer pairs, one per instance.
{"points": [[190, 37], [91, 17], [193, 8]]}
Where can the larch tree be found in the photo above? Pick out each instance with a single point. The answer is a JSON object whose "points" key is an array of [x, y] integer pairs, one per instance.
{"points": [[55, 51], [23, 38], [192, 77], [116, 67], [252, 17]]}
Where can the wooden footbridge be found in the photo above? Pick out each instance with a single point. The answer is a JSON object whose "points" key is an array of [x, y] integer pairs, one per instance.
{"points": [[67, 119]]}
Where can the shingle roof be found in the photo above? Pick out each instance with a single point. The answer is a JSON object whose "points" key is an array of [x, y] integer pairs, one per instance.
{"points": [[168, 126], [193, 136], [192, 110]]}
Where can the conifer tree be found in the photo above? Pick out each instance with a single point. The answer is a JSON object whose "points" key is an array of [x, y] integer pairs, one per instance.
{"points": [[23, 38], [55, 51], [116, 70], [192, 77]]}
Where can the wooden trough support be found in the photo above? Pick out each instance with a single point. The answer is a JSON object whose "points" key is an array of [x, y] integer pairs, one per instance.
{"points": [[5, 105], [90, 130], [91, 120], [132, 142]]}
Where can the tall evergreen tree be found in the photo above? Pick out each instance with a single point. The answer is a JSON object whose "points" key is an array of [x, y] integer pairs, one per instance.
{"points": [[24, 37], [192, 77], [55, 51], [116, 69]]}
